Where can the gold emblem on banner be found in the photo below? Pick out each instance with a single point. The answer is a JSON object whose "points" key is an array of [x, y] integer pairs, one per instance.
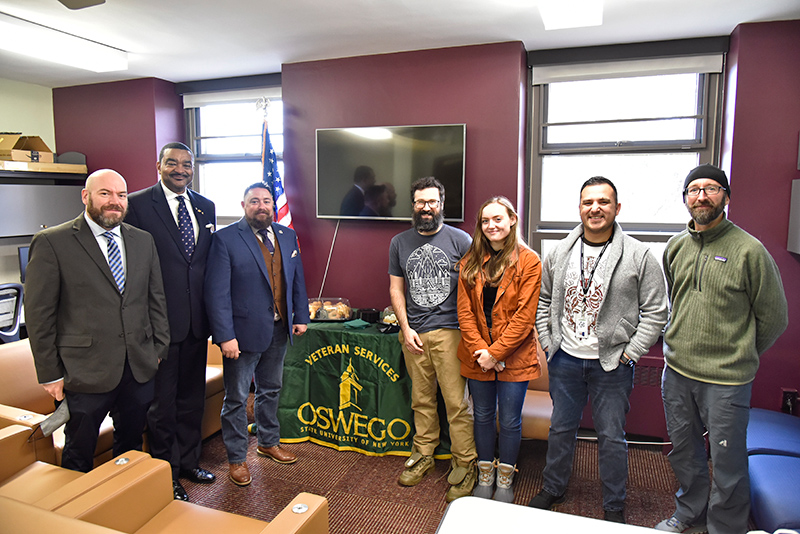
{"points": [[349, 388]]}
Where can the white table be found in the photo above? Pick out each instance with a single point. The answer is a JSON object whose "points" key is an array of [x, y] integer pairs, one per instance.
{"points": [[469, 515]]}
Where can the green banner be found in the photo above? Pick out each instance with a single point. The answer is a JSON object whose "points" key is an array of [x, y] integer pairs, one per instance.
{"points": [[349, 390]]}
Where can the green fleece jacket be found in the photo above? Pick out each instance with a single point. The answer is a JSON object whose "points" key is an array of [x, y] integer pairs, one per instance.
{"points": [[728, 304]]}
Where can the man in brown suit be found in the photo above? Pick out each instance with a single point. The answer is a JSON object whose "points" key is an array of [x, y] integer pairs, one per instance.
{"points": [[97, 319]]}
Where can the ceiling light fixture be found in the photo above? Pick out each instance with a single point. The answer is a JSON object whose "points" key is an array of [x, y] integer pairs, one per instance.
{"points": [[563, 14], [28, 38]]}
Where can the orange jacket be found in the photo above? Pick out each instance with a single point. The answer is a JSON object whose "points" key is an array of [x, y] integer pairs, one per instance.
{"points": [[513, 339]]}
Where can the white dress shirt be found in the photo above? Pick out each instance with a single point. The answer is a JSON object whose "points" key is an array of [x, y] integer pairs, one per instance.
{"points": [[172, 202], [102, 242]]}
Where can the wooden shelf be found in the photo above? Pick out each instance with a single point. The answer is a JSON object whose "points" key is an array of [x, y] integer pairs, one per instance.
{"points": [[66, 168]]}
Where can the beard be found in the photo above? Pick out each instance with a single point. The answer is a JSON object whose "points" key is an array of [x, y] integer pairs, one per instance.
{"points": [[421, 225], [109, 216], [706, 216], [260, 223]]}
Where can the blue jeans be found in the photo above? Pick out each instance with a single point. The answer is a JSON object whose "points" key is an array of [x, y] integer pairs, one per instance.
{"points": [[691, 408], [572, 380], [489, 398], [266, 369]]}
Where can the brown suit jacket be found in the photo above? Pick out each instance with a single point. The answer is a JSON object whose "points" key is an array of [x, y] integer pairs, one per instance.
{"points": [[80, 327]]}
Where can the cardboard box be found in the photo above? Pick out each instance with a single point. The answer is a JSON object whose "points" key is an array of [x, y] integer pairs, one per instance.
{"points": [[28, 148]]}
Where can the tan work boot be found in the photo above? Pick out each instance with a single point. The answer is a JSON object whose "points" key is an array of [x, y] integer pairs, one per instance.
{"points": [[417, 466], [505, 481], [462, 480]]}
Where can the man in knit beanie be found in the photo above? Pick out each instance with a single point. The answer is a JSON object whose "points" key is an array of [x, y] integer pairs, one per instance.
{"points": [[728, 307]]}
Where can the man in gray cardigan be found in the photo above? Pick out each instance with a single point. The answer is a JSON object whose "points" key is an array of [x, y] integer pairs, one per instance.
{"points": [[603, 303]]}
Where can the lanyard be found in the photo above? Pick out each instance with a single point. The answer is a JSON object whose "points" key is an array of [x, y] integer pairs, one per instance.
{"points": [[586, 284]]}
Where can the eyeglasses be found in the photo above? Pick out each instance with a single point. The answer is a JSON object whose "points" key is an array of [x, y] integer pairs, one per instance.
{"points": [[710, 190], [419, 204]]}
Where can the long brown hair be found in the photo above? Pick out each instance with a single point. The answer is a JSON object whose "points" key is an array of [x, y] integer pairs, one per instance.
{"points": [[473, 260]]}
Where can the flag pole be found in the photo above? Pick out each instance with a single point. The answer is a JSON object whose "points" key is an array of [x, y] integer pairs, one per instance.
{"points": [[262, 104]]}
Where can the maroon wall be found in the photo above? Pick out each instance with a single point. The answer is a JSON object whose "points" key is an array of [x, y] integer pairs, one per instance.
{"points": [[482, 86], [760, 145], [119, 125]]}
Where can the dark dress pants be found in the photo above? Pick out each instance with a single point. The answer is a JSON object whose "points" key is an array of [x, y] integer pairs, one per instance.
{"points": [[176, 414], [127, 403]]}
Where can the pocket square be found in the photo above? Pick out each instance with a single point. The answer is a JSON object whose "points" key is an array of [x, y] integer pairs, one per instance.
{"points": [[294, 253]]}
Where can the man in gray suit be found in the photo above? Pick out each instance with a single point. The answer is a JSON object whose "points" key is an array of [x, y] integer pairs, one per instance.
{"points": [[97, 319]]}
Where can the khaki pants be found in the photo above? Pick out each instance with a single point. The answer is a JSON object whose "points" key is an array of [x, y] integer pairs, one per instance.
{"points": [[438, 364]]}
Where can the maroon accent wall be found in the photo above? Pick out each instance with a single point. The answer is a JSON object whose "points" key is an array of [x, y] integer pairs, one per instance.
{"points": [[119, 125], [482, 86], [760, 145]]}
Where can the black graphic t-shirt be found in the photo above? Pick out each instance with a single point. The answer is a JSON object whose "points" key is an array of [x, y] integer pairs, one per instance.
{"points": [[428, 265]]}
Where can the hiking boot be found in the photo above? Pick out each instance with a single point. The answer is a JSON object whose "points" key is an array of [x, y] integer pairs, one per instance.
{"points": [[505, 481], [545, 500], [485, 487], [417, 466], [614, 516], [462, 480], [673, 524]]}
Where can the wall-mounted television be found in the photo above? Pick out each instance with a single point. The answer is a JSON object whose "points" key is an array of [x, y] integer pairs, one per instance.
{"points": [[366, 173]]}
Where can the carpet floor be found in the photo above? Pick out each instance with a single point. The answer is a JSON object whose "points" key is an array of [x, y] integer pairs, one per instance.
{"points": [[364, 496]]}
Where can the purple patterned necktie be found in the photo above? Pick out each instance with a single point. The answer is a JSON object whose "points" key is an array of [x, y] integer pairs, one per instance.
{"points": [[267, 241], [185, 227]]}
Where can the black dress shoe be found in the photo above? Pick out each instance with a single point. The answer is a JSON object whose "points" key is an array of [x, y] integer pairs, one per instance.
{"points": [[615, 516], [178, 492], [198, 475]]}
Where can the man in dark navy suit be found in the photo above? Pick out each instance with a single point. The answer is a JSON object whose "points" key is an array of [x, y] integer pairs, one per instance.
{"points": [[181, 222], [353, 201], [256, 300]]}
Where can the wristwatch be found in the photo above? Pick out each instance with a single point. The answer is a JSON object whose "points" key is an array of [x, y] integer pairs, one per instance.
{"points": [[624, 360]]}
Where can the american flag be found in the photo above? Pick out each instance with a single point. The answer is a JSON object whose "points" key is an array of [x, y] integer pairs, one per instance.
{"points": [[273, 178]]}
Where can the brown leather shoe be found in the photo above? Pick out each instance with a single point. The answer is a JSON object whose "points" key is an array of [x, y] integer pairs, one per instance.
{"points": [[282, 456], [240, 474]]}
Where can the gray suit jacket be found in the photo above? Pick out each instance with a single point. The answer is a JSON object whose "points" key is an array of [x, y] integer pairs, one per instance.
{"points": [[80, 327]]}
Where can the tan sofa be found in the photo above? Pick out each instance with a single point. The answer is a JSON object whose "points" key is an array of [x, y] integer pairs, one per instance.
{"points": [[537, 408], [23, 401], [176, 517], [132, 494], [24, 478], [215, 392]]}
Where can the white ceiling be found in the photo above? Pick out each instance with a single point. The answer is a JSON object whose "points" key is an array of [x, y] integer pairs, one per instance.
{"points": [[183, 40]]}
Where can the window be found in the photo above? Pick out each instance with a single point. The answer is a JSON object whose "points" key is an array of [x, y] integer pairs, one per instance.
{"points": [[226, 138], [644, 133]]}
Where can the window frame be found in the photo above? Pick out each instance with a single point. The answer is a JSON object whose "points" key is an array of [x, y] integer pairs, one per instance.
{"points": [[708, 149], [193, 126]]}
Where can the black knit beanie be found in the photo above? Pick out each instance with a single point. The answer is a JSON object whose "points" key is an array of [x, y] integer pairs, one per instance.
{"points": [[710, 172]]}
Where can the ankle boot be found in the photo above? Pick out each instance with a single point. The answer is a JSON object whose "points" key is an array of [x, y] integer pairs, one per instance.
{"points": [[505, 481], [485, 486]]}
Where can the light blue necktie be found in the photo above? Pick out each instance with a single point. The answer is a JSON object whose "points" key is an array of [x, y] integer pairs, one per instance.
{"points": [[185, 227], [115, 261]]}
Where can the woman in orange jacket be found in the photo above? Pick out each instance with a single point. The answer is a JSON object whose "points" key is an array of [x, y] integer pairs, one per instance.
{"points": [[498, 291]]}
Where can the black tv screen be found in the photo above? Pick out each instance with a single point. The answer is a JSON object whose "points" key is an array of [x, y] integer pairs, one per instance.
{"points": [[366, 173]]}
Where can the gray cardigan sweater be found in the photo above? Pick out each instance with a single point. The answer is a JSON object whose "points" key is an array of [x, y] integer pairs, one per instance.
{"points": [[634, 310]]}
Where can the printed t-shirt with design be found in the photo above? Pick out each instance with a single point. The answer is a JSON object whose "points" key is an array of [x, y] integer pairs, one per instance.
{"points": [[428, 265], [579, 320]]}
